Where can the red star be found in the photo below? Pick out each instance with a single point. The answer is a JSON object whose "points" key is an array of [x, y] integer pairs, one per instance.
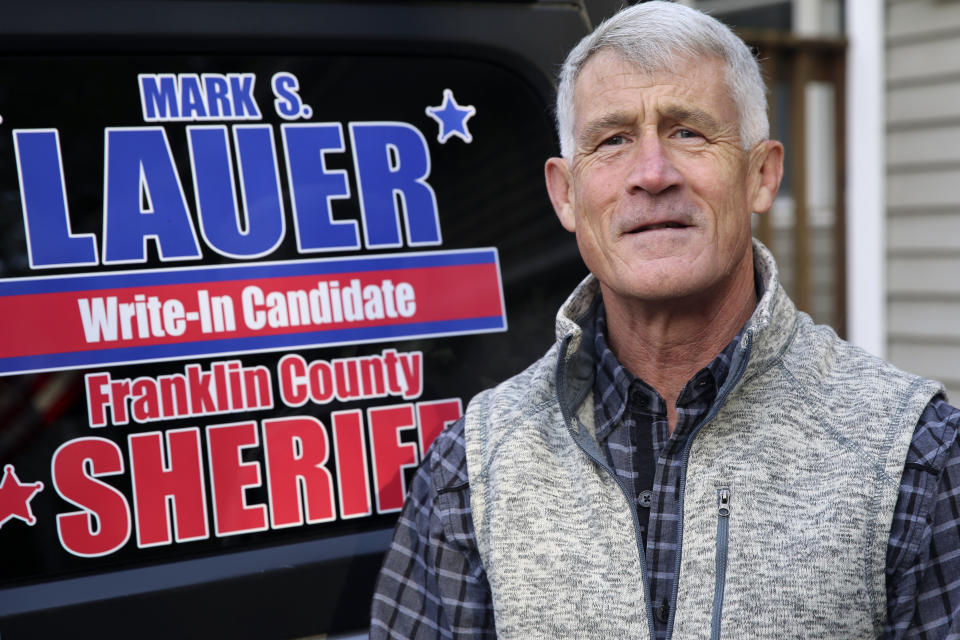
{"points": [[15, 497]]}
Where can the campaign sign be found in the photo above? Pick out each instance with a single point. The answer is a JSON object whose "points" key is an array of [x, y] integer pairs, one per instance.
{"points": [[131, 316], [240, 297]]}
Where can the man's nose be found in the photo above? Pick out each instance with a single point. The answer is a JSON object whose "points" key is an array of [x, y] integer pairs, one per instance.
{"points": [[652, 169]]}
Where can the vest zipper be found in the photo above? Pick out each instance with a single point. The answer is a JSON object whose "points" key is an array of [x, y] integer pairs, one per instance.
{"points": [[724, 392], [574, 425], [723, 533]]}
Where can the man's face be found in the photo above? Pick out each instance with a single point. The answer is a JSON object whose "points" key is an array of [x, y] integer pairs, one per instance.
{"points": [[659, 191]]}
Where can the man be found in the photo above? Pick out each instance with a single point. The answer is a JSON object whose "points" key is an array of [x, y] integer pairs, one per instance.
{"points": [[693, 457]]}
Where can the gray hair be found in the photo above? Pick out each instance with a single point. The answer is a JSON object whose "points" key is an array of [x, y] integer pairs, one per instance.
{"points": [[652, 36]]}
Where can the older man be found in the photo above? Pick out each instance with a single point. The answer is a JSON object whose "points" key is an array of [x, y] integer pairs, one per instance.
{"points": [[693, 457]]}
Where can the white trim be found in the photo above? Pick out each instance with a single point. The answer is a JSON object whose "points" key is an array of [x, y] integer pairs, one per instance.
{"points": [[866, 241], [806, 17]]}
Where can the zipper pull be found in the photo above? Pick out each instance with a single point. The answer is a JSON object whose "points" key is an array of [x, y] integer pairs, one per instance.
{"points": [[723, 543], [723, 501]]}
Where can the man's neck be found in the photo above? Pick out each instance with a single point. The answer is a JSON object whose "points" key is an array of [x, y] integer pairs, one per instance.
{"points": [[667, 343]]}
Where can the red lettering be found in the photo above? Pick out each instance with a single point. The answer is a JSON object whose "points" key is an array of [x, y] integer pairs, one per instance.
{"points": [[293, 388], [220, 384], [119, 390], [349, 443], [390, 365], [433, 417], [256, 384], [103, 524], [347, 379], [201, 400], [236, 386], [156, 483], [371, 376], [230, 477], [390, 455], [146, 404], [297, 450], [173, 391], [321, 382], [97, 400]]}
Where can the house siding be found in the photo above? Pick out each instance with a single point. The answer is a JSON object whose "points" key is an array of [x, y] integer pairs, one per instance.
{"points": [[922, 73]]}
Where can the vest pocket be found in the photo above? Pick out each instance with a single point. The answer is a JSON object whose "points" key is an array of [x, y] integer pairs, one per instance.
{"points": [[723, 534]]}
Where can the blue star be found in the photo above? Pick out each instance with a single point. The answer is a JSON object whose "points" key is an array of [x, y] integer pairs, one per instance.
{"points": [[452, 118]]}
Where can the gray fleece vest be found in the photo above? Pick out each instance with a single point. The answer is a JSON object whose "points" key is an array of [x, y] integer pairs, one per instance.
{"points": [[787, 498]]}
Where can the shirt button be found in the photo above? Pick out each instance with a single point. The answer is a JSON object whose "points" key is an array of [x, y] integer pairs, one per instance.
{"points": [[638, 399], [645, 498], [663, 612]]}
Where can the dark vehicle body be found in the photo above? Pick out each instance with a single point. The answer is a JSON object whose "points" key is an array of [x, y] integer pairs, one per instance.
{"points": [[253, 257]]}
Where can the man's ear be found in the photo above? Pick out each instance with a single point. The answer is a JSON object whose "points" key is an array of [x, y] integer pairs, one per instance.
{"points": [[766, 167], [560, 187]]}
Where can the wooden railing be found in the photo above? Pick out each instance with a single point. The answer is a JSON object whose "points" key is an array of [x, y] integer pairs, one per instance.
{"points": [[790, 64]]}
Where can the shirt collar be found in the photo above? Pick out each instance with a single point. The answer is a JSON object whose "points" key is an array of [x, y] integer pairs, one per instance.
{"points": [[615, 385]]}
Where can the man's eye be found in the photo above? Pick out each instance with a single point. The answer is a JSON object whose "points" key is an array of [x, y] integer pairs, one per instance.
{"points": [[686, 133], [613, 140]]}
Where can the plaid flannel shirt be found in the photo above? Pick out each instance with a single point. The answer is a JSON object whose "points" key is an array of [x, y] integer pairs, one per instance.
{"points": [[433, 585]]}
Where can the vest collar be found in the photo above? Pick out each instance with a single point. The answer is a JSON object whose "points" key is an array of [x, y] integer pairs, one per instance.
{"points": [[774, 321], [767, 334]]}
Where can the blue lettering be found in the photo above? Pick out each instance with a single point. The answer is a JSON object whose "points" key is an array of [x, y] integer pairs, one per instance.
{"points": [[218, 95], [165, 97], [241, 90], [261, 228], [392, 159], [43, 195], [144, 199], [158, 96], [287, 103], [313, 186], [192, 100]]}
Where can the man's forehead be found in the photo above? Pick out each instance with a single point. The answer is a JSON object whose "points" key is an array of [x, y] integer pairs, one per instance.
{"points": [[690, 88], [610, 69], [610, 61]]}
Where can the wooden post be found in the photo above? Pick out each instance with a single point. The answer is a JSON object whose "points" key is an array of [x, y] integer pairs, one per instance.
{"points": [[770, 65], [839, 81], [799, 61], [798, 154]]}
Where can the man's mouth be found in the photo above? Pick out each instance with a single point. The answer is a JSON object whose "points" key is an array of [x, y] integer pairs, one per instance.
{"points": [[659, 225]]}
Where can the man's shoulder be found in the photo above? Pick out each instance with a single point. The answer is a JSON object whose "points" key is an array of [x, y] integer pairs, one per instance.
{"points": [[845, 367], [856, 397], [447, 457], [532, 386], [936, 440]]}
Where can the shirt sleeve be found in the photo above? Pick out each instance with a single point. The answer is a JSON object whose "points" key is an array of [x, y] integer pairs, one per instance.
{"points": [[432, 583], [923, 555]]}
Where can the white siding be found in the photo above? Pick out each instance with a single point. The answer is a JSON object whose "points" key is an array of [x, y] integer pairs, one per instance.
{"points": [[920, 104], [938, 361], [929, 144], [914, 61], [909, 316], [934, 274], [921, 20], [921, 231], [923, 188]]}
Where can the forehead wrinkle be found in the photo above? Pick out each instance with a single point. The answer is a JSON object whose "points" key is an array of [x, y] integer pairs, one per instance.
{"points": [[692, 115], [607, 121]]}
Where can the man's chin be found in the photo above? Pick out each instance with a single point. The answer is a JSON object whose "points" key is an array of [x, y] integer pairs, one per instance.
{"points": [[660, 287], [663, 244]]}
